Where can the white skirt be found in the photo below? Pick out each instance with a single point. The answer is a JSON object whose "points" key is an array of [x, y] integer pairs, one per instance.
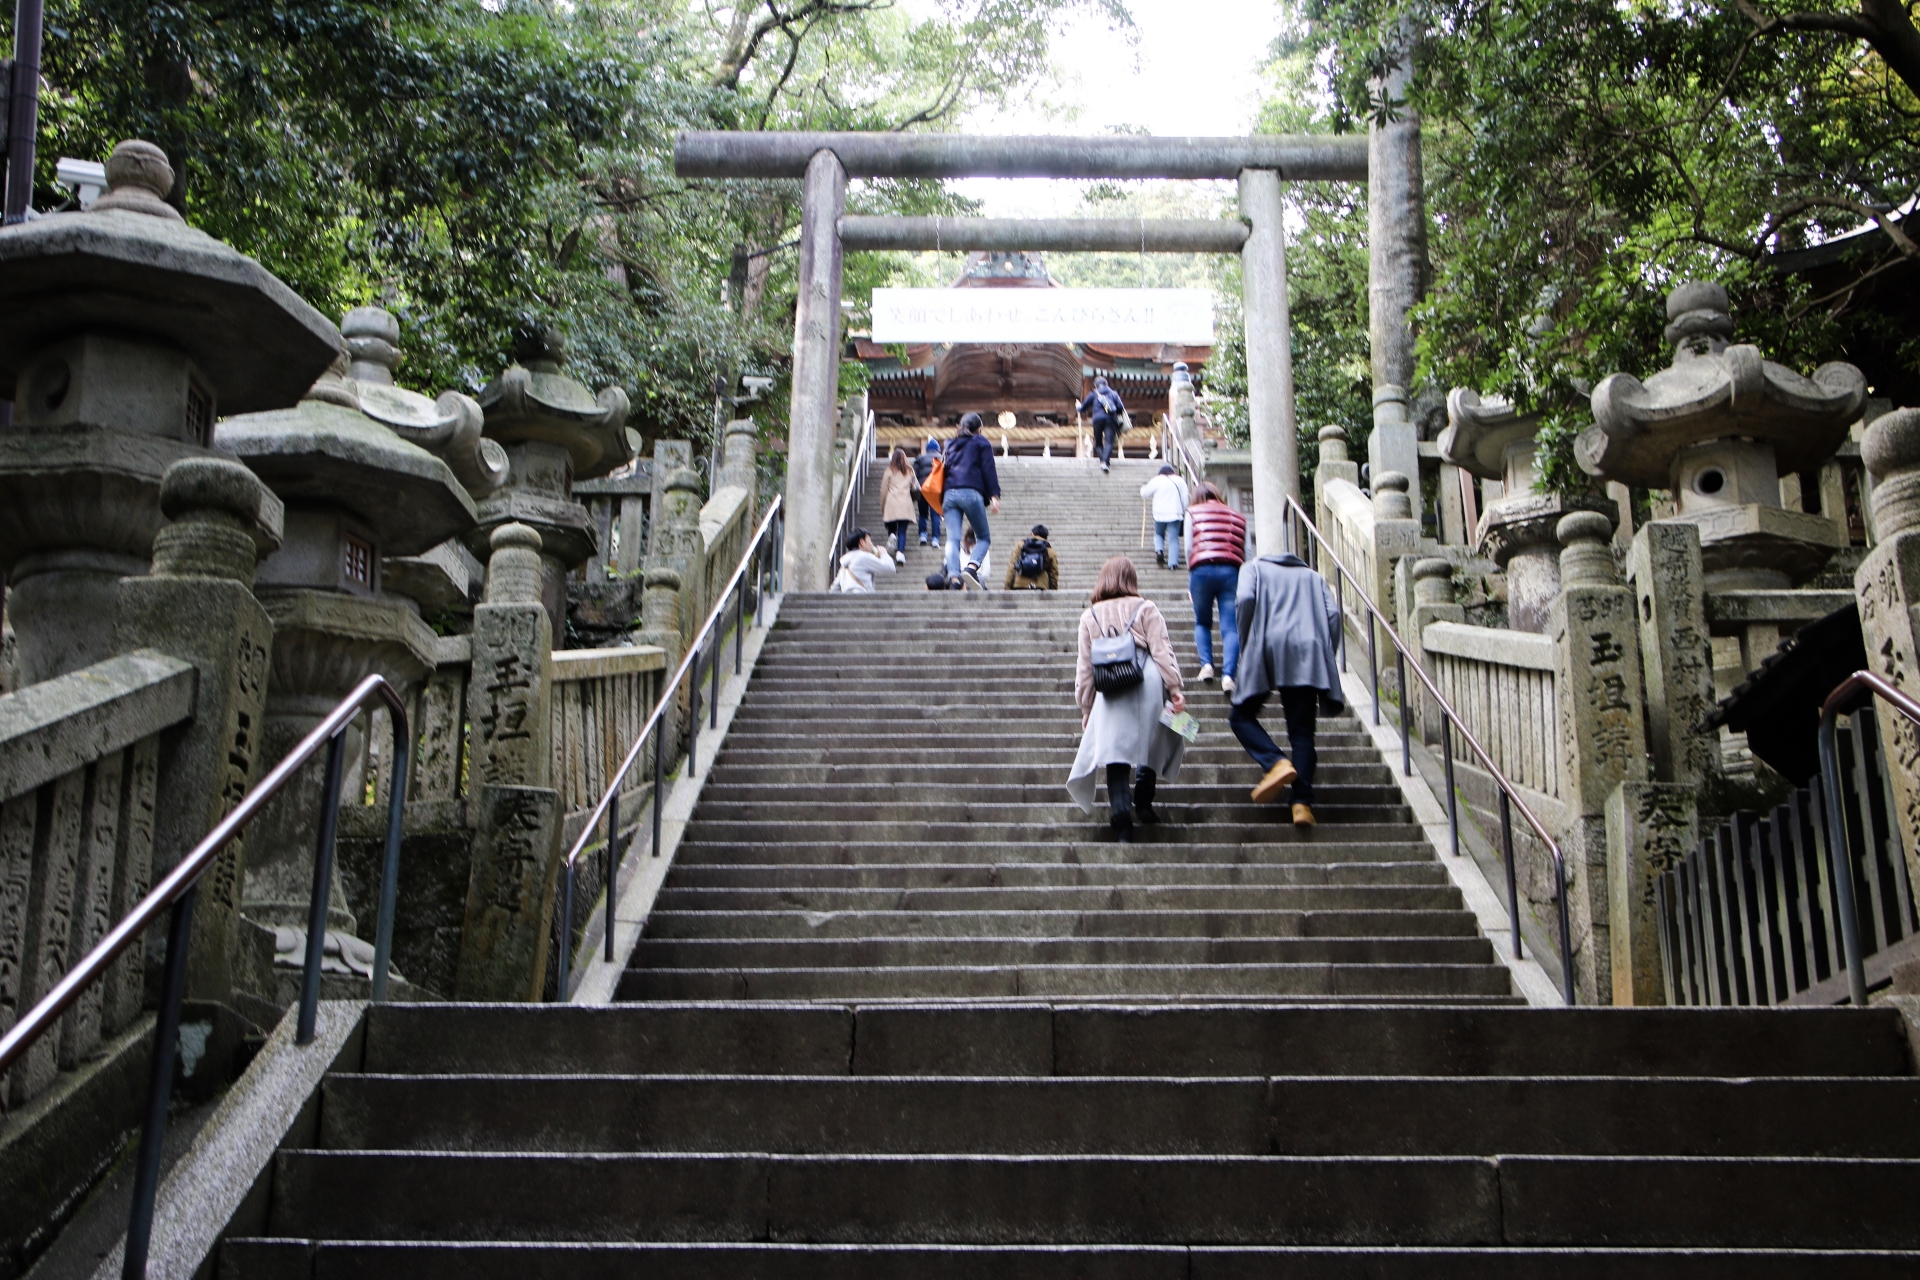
{"points": [[1125, 729]]}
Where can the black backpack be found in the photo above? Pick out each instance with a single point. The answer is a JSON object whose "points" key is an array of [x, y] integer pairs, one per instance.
{"points": [[1032, 560]]}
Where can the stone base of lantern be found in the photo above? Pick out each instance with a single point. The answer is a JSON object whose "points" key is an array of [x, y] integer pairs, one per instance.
{"points": [[1755, 547], [1517, 533]]}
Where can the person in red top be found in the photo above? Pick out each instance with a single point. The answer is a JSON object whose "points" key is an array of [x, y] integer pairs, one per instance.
{"points": [[1219, 547]]}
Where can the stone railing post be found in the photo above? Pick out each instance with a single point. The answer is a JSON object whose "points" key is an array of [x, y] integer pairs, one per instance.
{"points": [[198, 605], [660, 625], [739, 463], [516, 847], [681, 548], [1887, 585], [1603, 738], [1396, 534], [1432, 602], [1334, 465]]}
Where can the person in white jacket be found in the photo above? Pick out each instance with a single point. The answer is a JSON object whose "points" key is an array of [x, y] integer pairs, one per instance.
{"points": [[860, 563], [1169, 494]]}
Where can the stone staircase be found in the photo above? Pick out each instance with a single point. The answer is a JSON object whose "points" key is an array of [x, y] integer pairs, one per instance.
{"points": [[901, 1010]]}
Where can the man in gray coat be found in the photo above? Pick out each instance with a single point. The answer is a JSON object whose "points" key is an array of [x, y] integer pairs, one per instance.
{"points": [[1289, 626]]}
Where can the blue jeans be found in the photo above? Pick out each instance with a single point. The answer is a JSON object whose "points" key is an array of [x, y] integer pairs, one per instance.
{"points": [[968, 503], [1166, 537], [1301, 706], [1106, 435], [1210, 583], [929, 521]]}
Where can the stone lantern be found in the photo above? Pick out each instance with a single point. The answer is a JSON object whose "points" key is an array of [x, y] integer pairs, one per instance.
{"points": [[1489, 439], [357, 495], [555, 431], [1717, 428], [123, 334], [449, 428]]}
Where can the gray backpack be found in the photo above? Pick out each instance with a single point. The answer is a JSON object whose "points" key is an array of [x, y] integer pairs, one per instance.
{"points": [[1118, 664]]}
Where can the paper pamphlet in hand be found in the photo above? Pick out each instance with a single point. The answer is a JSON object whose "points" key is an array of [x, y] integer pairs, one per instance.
{"points": [[1181, 723]]}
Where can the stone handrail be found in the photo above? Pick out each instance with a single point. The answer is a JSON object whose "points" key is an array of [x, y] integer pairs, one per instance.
{"points": [[1346, 518], [79, 767], [1502, 684], [726, 522]]}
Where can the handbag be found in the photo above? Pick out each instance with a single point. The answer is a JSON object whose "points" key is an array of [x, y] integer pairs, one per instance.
{"points": [[934, 487], [1117, 662]]}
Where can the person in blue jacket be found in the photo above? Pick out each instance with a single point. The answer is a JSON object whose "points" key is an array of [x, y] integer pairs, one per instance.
{"points": [[972, 489], [1104, 405], [929, 517]]}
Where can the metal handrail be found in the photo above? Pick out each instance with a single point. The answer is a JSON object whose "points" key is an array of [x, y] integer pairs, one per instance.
{"points": [[1509, 794], [850, 500], [178, 891], [772, 573], [1848, 696]]}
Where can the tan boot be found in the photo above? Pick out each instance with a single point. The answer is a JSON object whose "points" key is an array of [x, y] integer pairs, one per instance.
{"points": [[1278, 779], [1303, 815]]}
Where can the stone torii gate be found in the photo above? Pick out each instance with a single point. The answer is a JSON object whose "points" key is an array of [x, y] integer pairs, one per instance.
{"points": [[1388, 160]]}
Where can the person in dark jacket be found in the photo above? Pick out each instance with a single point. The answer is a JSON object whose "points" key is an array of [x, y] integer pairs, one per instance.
{"points": [[1289, 627], [930, 532], [1048, 579], [972, 489], [1104, 405]]}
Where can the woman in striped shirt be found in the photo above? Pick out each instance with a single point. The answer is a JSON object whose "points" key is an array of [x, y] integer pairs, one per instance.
{"points": [[1219, 546]]}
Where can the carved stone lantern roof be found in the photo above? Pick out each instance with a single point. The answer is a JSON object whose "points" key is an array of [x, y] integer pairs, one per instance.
{"points": [[325, 450], [533, 401], [449, 427], [1713, 390], [1479, 432], [130, 265]]}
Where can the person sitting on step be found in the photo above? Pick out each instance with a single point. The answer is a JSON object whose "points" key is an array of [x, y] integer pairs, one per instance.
{"points": [[1034, 567], [1289, 628], [1121, 704], [859, 564]]}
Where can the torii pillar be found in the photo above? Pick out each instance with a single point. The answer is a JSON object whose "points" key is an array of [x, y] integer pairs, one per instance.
{"points": [[816, 377]]}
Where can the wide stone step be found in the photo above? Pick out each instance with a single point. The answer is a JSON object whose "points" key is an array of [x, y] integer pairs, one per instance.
{"points": [[1541, 1200], [255, 1258], [1145, 922], [1198, 1040], [914, 758], [1045, 875], [1317, 897], [1304, 980], [1340, 822], [876, 953], [739, 768], [754, 797], [1024, 1115], [1320, 846]]}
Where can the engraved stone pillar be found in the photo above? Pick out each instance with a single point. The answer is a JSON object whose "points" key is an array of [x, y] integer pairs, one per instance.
{"points": [[1602, 732], [660, 625], [1650, 827], [198, 606], [738, 465], [1396, 535], [516, 850], [1887, 586], [1676, 652]]}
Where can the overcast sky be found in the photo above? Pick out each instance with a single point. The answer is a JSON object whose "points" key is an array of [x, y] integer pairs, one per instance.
{"points": [[1192, 71]]}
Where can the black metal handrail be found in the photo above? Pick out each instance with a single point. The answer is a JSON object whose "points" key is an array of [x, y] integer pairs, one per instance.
{"points": [[771, 572], [857, 468], [1847, 696], [1510, 797], [178, 891]]}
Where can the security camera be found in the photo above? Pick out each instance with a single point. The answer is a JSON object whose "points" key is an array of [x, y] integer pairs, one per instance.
{"points": [[757, 385], [87, 178]]}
